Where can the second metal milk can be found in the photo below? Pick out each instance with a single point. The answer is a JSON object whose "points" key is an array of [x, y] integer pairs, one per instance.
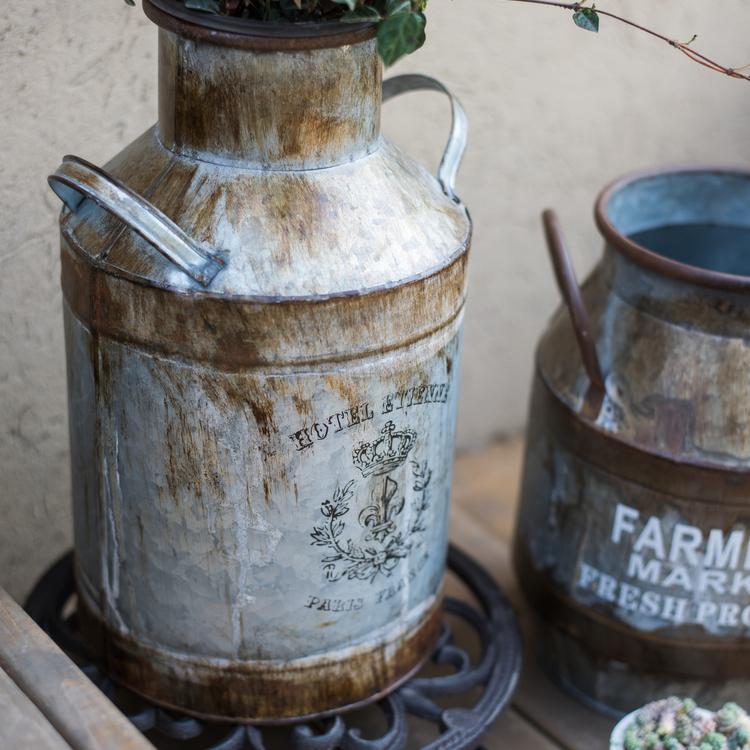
{"points": [[633, 539], [263, 311]]}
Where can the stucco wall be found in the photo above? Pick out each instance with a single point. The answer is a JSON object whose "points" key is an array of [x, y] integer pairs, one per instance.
{"points": [[555, 113]]}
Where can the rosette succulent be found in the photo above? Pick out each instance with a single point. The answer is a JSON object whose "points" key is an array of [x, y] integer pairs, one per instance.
{"points": [[677, 724]]}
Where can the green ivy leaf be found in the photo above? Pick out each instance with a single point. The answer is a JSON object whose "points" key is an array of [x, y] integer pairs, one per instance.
{"points": [[397, 6], [207, 6], [399, 35], [361, 15], [587, 18], [351, 4]]}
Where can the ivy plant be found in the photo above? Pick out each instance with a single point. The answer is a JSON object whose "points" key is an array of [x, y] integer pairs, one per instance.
{"points": [[401, 23]]}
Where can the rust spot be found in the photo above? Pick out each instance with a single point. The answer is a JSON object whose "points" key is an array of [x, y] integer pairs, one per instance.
{"points": [[331, 110]]}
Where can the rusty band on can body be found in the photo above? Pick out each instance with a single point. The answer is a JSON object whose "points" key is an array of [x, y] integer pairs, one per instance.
{"points": [[263, 692], [232, 333], [690, 479]]}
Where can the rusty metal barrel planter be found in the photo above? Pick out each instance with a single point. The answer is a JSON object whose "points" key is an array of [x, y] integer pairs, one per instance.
{"points": [[263, 312], [633, 538]]}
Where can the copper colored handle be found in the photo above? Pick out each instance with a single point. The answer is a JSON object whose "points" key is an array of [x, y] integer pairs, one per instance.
{"points": [[571, 294]]}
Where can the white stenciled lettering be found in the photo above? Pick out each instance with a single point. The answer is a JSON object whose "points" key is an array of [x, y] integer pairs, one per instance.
{"points": [[587, 576], [706, 611], [607, 588], [674, 609], [678, 576], [729, 615], [715, 580], [651, 538], [644, 571], [624, 522], [721, 553], [650, 603], [629, 597], [686, 541], [673, 571], [740, 584]]}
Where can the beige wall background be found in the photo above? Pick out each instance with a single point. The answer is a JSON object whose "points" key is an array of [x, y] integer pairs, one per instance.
{"points": [[555, 113]]}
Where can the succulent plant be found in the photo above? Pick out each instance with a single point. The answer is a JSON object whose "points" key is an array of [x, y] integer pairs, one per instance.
{"points": [[677, 724]]}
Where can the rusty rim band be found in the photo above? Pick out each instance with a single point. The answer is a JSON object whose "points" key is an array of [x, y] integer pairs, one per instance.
{"points": [[247, 691], [229, 31], [494, 671], [244, 331], [662, 472], [654, 261]]}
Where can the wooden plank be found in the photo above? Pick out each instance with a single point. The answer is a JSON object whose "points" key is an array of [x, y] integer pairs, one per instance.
{"points": [[512, 732], [22, 724], [74, 706], [542, 704], [486, 485], [547, 707]]}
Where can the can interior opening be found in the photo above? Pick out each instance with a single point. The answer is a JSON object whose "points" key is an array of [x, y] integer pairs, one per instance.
{"points": [[698, 218]]}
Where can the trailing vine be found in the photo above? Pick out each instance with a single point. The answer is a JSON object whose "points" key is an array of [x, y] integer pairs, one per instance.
{"points": [[587, 17], [401, 23]]}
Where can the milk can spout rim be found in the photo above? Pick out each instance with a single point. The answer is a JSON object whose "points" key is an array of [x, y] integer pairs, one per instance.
{"points": [[261, 35], [617, 238]]}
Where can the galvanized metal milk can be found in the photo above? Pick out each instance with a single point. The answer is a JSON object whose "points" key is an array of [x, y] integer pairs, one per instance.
{"points": [[633, 539], [263, 310]]}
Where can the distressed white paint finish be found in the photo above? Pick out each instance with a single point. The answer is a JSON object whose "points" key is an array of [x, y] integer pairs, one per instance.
{"points": [[202, 541], [354, 228], [262, 465], [555, 113]]}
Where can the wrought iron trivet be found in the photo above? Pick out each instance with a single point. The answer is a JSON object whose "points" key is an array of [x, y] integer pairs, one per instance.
{"points": [[447, 706]]}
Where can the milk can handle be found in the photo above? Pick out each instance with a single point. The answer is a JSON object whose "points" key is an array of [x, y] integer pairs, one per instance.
{"points": [[77, 179], [456, 146], [571, 294]]}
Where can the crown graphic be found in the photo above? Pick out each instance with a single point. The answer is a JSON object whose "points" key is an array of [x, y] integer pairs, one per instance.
{"points": [[386, 453]]}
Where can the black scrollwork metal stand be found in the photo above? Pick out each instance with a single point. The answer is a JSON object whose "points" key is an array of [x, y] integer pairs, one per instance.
{"points": [[447, 706]]}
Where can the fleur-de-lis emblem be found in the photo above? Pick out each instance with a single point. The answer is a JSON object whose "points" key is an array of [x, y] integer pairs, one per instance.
{"points": [[383, 540], [379, 517]]}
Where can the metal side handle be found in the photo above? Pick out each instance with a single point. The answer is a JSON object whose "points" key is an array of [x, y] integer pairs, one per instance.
{"points": [[571, 294], [456, 145], [77, 179]]}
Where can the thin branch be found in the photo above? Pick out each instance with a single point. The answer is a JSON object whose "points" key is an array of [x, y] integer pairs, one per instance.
{"points": [[683, 47]]}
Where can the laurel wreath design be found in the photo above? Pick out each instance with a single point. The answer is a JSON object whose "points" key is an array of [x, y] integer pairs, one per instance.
{"points": [[384, 544]]}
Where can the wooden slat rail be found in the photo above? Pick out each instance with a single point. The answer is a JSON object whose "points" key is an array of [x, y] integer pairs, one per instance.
{"points": [[22, 724], [82, 716]]}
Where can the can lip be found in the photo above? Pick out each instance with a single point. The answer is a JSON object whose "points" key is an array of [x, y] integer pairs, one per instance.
{"points": [[653, 261], [228, 31]]}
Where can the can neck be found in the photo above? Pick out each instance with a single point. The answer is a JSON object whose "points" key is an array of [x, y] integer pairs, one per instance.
{"points": [[274, 110], [717, 312]]}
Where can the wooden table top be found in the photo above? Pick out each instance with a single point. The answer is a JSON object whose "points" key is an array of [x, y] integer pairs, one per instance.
{"points": [[541, 717], [46, 702]]}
